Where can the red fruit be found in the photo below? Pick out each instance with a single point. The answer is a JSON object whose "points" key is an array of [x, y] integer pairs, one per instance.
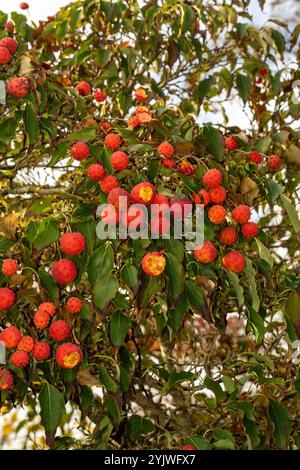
{"points": [[41, 351], [110, 216], [95, 172], [7, 298], [104, 126], [80, 151], [160, 205], [218, 195], [169, 163], [160, 225], [120, 198], [274, 162], [41, 320], [9, 267], [90, 122], [72, 243], [74, 305], [143, 193], [250, 229], [112, 141], [228, 236], [26, 344], [47, 307], [202, 197], [5, 55], [64, 271], [154, 263], [165, 150], [140, 95], [10, 43], [9, 26], [99, 96], [24, 6], [231, 143], [19, 358], [59, 330], [241, 214], [11, 337], [83, 88], [141, 109], [108, 183], [263, 72], [68, 355], [161, 199], [181, 206], [234, 261], [6, 380], [212, 179], [255, 157], [133, 218], [134, 122], [206, 253], [188, 447], [119, 160], [186, 168], [217, 214], [18, 87]]}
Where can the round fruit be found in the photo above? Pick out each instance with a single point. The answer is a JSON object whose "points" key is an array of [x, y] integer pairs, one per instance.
{"points": [[9, 26], [5, 55], [154, 263], [206, 253], [119, 198], [80, 151], [218, 195], [95, 172], [104, 126], [274, 162], [19, 358], [143, 193], [112, 141], [10, 43], [108, 183], [59, 330], [134, 122], [11, 337], [47, 307], [68, 355], [83, 88], [255, 157], [41, 320], [217, 214], [228, 236], [18, 87], [202, 197], [99, 96], [231, 143], [6, 380], [169, 163], [64, 271], [166, 150], [41, 351], [188, 447], [241, 214], [234, 261], [186, 168], [133, 218], [9, 267], [250, 229], [181, 206], [119, 160], [212, 179], [140, 95], [74, 305], [7, 298], [72, 243], [24, 6], [26, 344], [110, 216]]}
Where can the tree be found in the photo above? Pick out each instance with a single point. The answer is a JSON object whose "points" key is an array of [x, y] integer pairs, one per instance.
{"points": [[192, 347]]}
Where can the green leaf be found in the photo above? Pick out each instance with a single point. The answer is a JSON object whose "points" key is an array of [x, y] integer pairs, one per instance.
{"points": [[250, 274], [7, 130], [264, 253], [194, 295], [241, 29], [214, 386], [175, 247], [139, 426], [113, 410], [119, 324], [101, 263], [50, 285], [292, 309], [52, 407], [86, 397], [47, 233], [229, 384], [149, 288], [6, 243], [282, 423], [204, 87], [224, 444], [246, 407], [187, 18], [257, 324], [243, 85], [213, 139], [175, 316], [106, 380], [237, 287], [174, 271], [263, 144], [31, 123], [176, 378], [129, 275], [220, 433], [279, 40], [201, 443], [59, 153], [292, 212], [105, 289]]}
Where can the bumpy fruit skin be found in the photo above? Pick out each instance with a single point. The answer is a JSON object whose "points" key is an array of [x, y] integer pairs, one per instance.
{"points": [[119, 160], [217, 214], [114, 198], [5, 55], [154, 263], [10, 43], [212, 179], [9, 267], [83, 88], [59, 330], [7, 298], [188, 447], [250, 229], [255, 157], [11, 337], [160, 225], [18, 87], [104, 126], [110, 216], [26, 344], [95, 172], [134, 122], [80, 151], [234, 261], [133, 218], [74, 305], [228, 236], [6, 380], [231, 143], [186, 168], [9, 26], [218, 195], [140, 95], [41, 320], [241, 214], [202, 197], [165, 150], [263, 72], [41, 351], [64, 271], [19, 358], [160, 205], [169, 163], [181, 206], [68, 355], [99, 96], [108, 183], [112, 141], [274, 162], [47, 307], [72, 243], [143, 193], [24, 6], [206, 253]]}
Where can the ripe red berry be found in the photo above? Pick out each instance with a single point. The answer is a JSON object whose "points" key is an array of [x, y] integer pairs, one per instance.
{"points": [[217, 214], [134, 122], [181, 206], [188, 447], [99, 96], [143, 193], [228, 236], [11, 337], [154, 263], [10, 43], [47, 307], [212, 179], [110, 216], [262, 72], [274, 162], [165, 150], [161, 199], [255, 157], [68, 355], [241, 214], [18, 87], [202, 197], [83, 88], [72, 243], [186, 168], [231, 143], [7, 298], [64, 271], [218, 195], [26, 343], [108, 183], [9, 26], [140, 95], [59, 330], [9, 267], [206, 253], [160, 225], [80, 151], [112, 141], [234, 261], [5, 55], [41, 351], [119, 160], [169, 163], [6, 380], [95, 172], [104, 126], [250, 229], [41, 320], [24, 6], [160, 205], [74, 305], [133, 218], [19, 358]]}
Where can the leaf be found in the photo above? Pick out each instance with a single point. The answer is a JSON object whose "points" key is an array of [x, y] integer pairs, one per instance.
{"points": [[215, 387], [6, 244], [105, 289], [201, 443], [149, 288], [175, 247], [7, 130], [138, 426], [292, 212], [175, 316], [52, 408], [257, 324], [50, 285], [246, 407], [60, 152], [241, 29], [31, 123], [187, 17], [194, 295], [263, 144], [213, 139], [113, 410], [224, 444], [237, 287], [292, 309], [229, 384], [252, 430], [84, 377], [129, 275], [9, 224], [279, 40], [47, 233], [119, 324], [250, 273], [86, 397], [282, 423], [176, 378], [220, 433], [101, 263], [175, 272], [264, 253], [243, 84], [204, 87], [106, 379]]}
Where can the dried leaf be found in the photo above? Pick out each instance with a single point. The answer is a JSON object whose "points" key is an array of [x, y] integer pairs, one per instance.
{"points": [[249, 189], [84, 377], [9, 225]]}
